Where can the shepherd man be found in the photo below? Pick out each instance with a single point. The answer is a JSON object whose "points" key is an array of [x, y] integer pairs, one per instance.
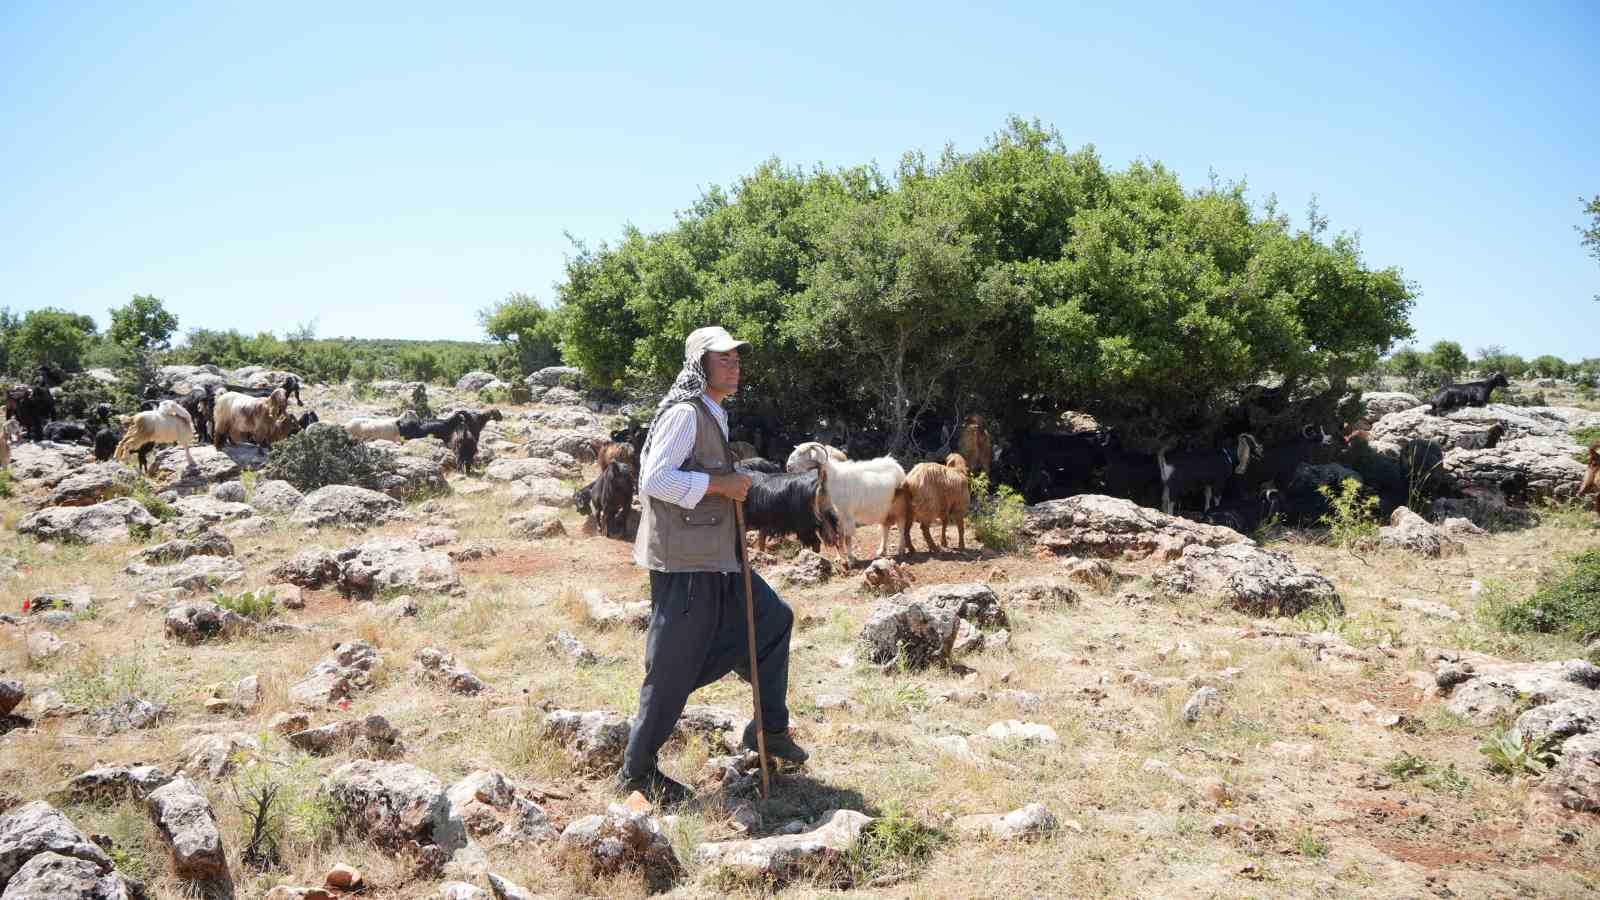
{"points": [[694, 552]]}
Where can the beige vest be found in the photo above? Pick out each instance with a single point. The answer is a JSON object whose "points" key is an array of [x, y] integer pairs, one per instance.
{"points": [[703, 539]]}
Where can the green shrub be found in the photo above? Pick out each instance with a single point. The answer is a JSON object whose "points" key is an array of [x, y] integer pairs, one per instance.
{"points": [[1512, 753], [80, 394], [417, 404], [1567, 604], [142, 491], [7, 489], [996, 515], [1352, 517], [327, 454], [253, 605], [891, 847]]}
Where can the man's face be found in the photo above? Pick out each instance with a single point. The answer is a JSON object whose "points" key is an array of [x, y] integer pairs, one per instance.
{"points": [[722, 371]]}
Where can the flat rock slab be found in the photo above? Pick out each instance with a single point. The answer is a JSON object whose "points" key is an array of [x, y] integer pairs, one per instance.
{"points": [[1111, 527], [784, 857]]}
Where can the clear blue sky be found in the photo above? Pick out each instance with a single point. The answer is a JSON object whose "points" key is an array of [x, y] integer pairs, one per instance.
{"points": [[388, 170]]}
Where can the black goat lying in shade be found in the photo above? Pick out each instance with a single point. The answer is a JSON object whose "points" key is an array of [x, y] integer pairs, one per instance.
{"points": [[1245, 516], [783, 503], [583, 499], [1467, 393], [412, 429], [613, 497]]}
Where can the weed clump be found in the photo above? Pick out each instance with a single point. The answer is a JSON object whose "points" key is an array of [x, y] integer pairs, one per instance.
{"points": [[1567, 605]]}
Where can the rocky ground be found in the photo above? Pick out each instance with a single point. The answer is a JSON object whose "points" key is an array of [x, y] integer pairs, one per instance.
{"points": [[1132, 706]]}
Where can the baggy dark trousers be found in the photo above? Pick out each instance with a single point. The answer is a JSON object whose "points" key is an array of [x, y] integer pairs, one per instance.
{"points": [[697, 635]]}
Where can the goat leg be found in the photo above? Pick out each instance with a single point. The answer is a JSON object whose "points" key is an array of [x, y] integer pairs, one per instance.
{"points": [[927, 537]]}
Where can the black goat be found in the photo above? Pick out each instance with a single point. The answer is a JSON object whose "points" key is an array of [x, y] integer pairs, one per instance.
{"points": [[33, 406], [1246, 515], [411, 429], [308, 418], [474, 421], [466, 450], [756, 464], [634, 434], [105, 442], [69, 432], [1135, 476], [583, 497], [1207, 471], [291, 388], [1467, 393], [1050, 465], [613, 496], [784, 503], [1279, 462]]}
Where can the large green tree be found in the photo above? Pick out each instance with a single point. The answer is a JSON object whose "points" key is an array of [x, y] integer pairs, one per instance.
{"points": [[52, 336], [1448, 358], [1020, 278], [526, 329], [143, 323]]}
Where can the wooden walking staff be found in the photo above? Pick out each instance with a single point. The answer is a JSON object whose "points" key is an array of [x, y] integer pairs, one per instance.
{"points": [[750, 629]]}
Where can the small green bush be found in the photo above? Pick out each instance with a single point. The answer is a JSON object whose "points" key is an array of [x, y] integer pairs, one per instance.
{"points": [[7, 489], [996, 516], [892, 846], [142, 491], [1567, 604], [327, 454], [1512, 753], [252, 605], [80, 394], [1352, 517]]}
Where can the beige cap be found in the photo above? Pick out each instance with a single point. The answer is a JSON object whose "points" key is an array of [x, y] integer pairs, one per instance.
{"points": [[711, 339]]}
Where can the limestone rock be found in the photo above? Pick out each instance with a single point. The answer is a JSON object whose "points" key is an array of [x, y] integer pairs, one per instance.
{"points": [[201, 620], [1408, 531], [785, 857], [228, 492], [541, 492], [184, 816], [345, 506], [128, 714], [370, 738], [337, 675], [607, 613], [52, 876], [537, 523], [1248, 578], [192, 575], [1110, 527], [215, 755], [593, 740], [34, 828], [276, 498], [887, 577], [102, 523], [89, 485], [310, 568], [392, 804], [1029, 822], [206, 543], [622, 839], [1040, 593], [922, 632], [382, 564], [565, 645], [439, 667]]}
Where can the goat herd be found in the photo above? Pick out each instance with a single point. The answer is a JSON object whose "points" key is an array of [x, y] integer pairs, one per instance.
{"points": [[218, 414], [1235, 478], [821, 496]]}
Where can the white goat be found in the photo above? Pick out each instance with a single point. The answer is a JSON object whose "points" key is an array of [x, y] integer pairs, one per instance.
{"points": [[372, 429], [168, 423], [863, 493]]}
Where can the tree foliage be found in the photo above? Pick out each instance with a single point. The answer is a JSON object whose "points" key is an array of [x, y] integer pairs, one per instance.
{"points": [[143, 323], [1591, 231], [47, 335], [1448, 358], [1020, 277], [526, 330]]}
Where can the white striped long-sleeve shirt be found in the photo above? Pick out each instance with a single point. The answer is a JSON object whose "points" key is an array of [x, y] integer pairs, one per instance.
{"points": [[661, 473]]}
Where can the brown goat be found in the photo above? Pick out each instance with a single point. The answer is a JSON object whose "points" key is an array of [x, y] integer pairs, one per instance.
{"points": [[238, 415], [934, 493], [1591, 478], [974, 443], [607, 452]]}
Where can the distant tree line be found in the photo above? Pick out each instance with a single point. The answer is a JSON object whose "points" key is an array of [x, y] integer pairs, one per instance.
{"points": [[1445, 361]]}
